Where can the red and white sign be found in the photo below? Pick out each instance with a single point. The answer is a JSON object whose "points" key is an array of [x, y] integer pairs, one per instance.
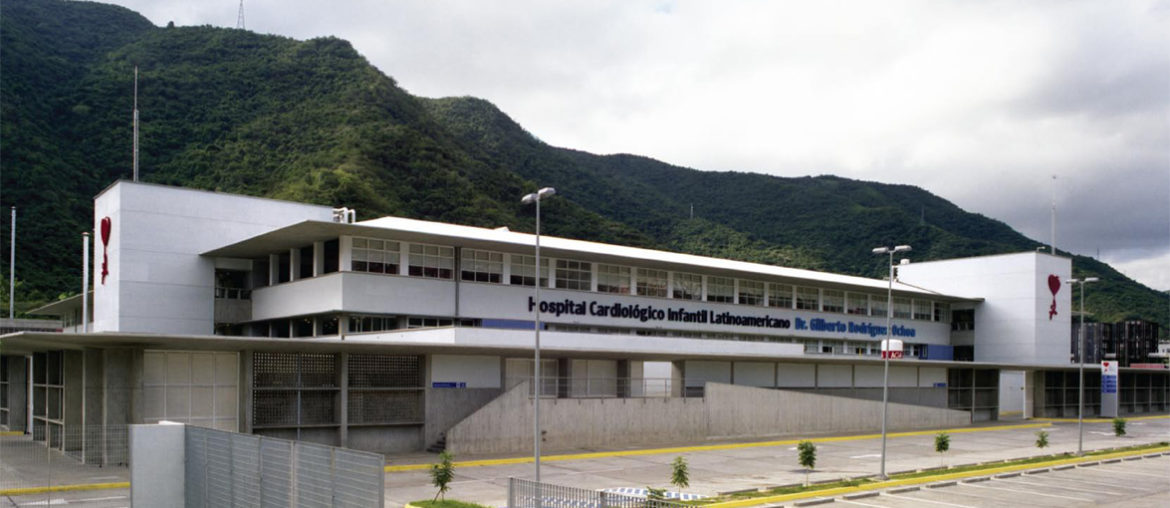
{"points": [[1109, 368], [892, 348]]}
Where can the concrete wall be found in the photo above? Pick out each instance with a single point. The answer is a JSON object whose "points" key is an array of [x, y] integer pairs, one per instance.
{"points": [[17, 392], [727, 411], [447, 406], [158, 465], [1012, 324], [157, 281]]}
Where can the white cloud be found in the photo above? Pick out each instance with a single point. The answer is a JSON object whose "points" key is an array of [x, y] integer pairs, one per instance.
{"points": [[978, 102]]}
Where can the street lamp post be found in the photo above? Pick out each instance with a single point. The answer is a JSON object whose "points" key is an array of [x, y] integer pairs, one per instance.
{"points": [[1081, 351], [535, 197], [886, 352]]}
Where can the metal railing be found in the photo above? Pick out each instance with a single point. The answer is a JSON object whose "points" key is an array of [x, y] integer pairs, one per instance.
{"points": [[530, 494], [598, 387]]}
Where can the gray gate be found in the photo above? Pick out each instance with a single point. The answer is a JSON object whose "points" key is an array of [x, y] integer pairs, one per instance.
{"points": [[525, 494], [230, 469]]}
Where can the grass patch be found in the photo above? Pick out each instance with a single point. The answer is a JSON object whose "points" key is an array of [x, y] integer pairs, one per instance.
{"points": [[446, 503]]}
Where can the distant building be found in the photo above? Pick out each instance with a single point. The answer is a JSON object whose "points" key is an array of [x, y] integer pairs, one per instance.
{"points": [[1129, 342]]}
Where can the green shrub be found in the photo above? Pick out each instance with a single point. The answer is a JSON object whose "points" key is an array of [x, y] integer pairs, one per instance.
{"points": [[806, 454], [1041, 439], [442, 474], [1119, 426], [680, 475]]}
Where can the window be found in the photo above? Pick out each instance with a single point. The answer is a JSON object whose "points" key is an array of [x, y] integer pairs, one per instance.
{"points": [[651, 282], [942, 312], [902, 308], [420, 322], [833, 301], [576, 275], [923, 309], [359, 324], [780, 295], [878, 307], [332, 252], [962, 320], [688, 286], [613, 279], [481, 266], [857, 303], [751, 292], [432, 261], [524, 271], [305, 269], [721, 289], [375, 256], [808, 299]]}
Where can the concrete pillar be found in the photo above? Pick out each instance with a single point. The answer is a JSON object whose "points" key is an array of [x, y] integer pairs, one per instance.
{"points": [[343, 407], [678, 378], [318, 258], [92, 418], [74, 394], [623, 378], [273, 269], [245, 392], [294, 264]]}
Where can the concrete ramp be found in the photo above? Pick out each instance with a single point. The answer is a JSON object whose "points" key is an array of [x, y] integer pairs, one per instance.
{"points": [[504, 426]]}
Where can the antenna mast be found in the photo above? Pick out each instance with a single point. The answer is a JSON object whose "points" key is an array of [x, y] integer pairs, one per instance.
{"points": [[1053, 229], [135, 123], [240, 17]]}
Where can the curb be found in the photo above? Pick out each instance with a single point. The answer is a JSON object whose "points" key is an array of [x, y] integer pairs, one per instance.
{"points": [[24, 491], [728, 446]]}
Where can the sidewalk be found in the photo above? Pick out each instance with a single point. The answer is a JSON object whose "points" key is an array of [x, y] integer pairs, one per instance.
{"points": [[727, 467]]}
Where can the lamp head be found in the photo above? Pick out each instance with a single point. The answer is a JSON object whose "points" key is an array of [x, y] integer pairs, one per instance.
{"points": [[1091, 279], [881, 250], [902, 248], [528, 199]]}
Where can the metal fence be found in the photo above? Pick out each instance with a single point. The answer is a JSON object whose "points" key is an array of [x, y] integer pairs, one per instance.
{"points": [[230, 469], [530, 494], [57, 455]]}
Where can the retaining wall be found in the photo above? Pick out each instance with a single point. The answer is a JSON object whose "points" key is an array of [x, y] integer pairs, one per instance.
{"points": [[504, 426]]}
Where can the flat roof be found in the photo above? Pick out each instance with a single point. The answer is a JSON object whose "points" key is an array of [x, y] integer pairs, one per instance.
{"points": [[300, 234], [29, 342]]}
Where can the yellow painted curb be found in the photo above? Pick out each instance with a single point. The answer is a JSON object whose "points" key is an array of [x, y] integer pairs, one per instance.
{"points": [[1103, 420], [24, 491], [700, 448], [928, 479], [11, 433]]}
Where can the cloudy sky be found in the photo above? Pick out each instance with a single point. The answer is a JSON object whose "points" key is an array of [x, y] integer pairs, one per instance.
{"points": [[978, 102]]}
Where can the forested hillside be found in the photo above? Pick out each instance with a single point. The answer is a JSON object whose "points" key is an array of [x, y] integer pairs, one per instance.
{"points": [[313, 121]]}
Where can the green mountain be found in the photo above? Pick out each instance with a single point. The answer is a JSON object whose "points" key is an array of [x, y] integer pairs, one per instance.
{"points": [[314, 121]]}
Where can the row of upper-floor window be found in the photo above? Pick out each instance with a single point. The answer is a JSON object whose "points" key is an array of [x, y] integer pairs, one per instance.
{"points": [[475, 265]]}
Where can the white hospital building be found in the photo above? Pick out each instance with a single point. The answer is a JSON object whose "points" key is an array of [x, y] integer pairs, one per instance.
{"points": [[393, 334]]}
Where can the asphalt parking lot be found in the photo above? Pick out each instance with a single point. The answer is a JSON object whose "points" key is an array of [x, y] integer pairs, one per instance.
{"points": [[757, 465], [1129, 483]]}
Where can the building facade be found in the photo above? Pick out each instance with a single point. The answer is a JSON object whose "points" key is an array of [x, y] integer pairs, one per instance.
{"points": [[296, 321]]}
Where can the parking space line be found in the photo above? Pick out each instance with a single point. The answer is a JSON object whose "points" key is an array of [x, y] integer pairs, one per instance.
{"points": [[1018, 491], [919, 499], [850, 501], [1139, 473], [1079, 480], [1062, 487]]}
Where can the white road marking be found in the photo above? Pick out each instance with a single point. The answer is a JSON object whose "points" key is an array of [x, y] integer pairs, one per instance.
{"points": [[1078, 480], [1061, 487], [842, 500], [924, 500], [1130, 472], [95, 499], [867, 456], [1024, 492]]}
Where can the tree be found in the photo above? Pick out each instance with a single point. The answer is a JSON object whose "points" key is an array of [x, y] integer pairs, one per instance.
{"points": [[442, 474], [942, 443], [1041, 439], [807, 455], [1119, 426], [680, 476]]}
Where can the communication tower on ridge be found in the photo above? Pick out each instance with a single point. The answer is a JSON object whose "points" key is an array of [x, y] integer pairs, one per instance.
{"points": [[240, 17]]}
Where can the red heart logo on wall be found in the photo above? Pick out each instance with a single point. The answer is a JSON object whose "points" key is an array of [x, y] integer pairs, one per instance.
{"points": [[106, 226], [1054, 286]]}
